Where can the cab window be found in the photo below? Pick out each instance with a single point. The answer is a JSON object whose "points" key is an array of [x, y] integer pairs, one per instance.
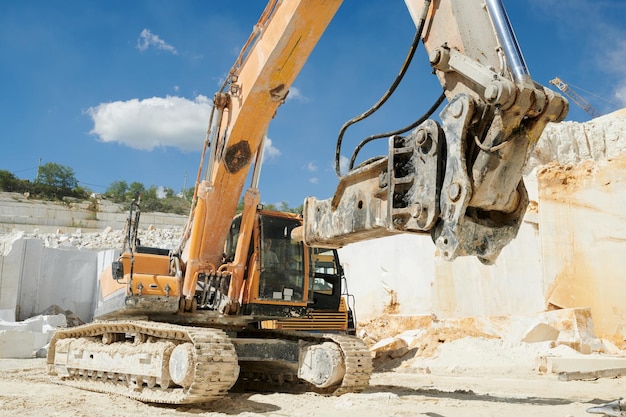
{"points": [[326, 280], [282, 269]]}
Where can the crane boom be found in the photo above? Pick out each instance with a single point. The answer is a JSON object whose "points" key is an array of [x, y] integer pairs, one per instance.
{"points": [[581, 102]]}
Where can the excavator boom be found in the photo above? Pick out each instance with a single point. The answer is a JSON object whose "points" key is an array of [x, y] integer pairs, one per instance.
{"points": [[256, 87]]}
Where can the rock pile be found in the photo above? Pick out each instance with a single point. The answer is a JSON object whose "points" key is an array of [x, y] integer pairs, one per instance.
{"points": [[107, 239]]}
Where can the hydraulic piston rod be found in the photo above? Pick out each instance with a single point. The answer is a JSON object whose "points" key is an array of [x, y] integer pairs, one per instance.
{"points": [[509, 42]]}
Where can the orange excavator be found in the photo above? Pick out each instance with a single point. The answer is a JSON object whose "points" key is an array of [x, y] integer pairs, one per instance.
{"points": [[260, 301]]}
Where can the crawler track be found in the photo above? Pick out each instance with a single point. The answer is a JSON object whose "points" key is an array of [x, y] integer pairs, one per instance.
{"points": [[357, 359], [215, 367]]}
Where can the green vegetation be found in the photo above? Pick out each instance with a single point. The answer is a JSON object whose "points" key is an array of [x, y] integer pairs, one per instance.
{"points": [[53, 182], [284, 206], [58, 182], [151, 199]]}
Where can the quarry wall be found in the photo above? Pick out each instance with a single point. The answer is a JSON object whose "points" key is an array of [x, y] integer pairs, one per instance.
{"points": [[18, 212]]}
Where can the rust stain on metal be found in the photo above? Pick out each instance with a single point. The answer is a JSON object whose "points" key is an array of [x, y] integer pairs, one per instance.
{"points": [[237, 156]]}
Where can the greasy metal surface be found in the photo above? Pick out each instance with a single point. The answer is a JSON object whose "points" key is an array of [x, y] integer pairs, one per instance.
{"points": [[151, 304], [265, 350], [358, 211], [470, 193], [415, 166], [464, 26], [269, 376], [456, 186], [212, 293], [464, 230]]}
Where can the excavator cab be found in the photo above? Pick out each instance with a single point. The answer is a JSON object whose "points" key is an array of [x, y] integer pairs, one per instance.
{"points": [[288, 283], [282, 268]]}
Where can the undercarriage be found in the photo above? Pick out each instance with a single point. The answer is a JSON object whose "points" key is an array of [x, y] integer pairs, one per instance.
{"points": [[166, 363]]}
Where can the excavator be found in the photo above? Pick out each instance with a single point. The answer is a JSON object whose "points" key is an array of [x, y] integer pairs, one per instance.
{"points": [[259, 300]]}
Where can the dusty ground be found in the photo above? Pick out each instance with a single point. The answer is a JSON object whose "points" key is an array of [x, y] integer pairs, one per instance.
{"points": [[25, 390]]}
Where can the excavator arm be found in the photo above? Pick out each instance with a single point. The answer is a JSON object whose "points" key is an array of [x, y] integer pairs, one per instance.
{"points": [[459, 180]]}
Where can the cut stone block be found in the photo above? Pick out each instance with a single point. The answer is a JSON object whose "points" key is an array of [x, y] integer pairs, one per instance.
{"points": [[611, 348], [34, 324], [574, 324], [41, 339], [581, 363], [388, 345], [7, 314], [541, 332], [12, 325], [412, 338], [55, 321], [16, 344]]}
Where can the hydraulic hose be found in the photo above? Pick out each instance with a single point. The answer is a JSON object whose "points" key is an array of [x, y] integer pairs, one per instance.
{"points": [[388, 93], [413, 125]]}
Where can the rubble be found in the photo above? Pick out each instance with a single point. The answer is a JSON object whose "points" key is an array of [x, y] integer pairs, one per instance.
{"points": [[28, 338], [107, 239], [490, 345], [71, 319]]}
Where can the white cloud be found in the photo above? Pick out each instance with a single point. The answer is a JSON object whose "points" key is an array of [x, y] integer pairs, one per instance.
{"points": [[344, 163], [620, 94], [153, 122], [314, 180], [177, 88], [296, 94], [617, 58], [148, 39], [311, 167], [270, 151]]}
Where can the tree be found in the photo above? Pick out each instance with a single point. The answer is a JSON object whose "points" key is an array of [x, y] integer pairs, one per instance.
{"points": [[134, 190], [56, 181], [117, 191], [284, 207], [168, 192], [57, 175], [188, 193], [150, 199], [8, 181]]}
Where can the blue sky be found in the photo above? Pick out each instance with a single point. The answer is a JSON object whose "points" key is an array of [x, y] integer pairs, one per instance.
{"points": [[121, 90]]}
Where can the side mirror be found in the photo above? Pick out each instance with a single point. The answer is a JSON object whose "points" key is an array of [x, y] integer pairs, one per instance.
{"points": [[117, 270]]}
